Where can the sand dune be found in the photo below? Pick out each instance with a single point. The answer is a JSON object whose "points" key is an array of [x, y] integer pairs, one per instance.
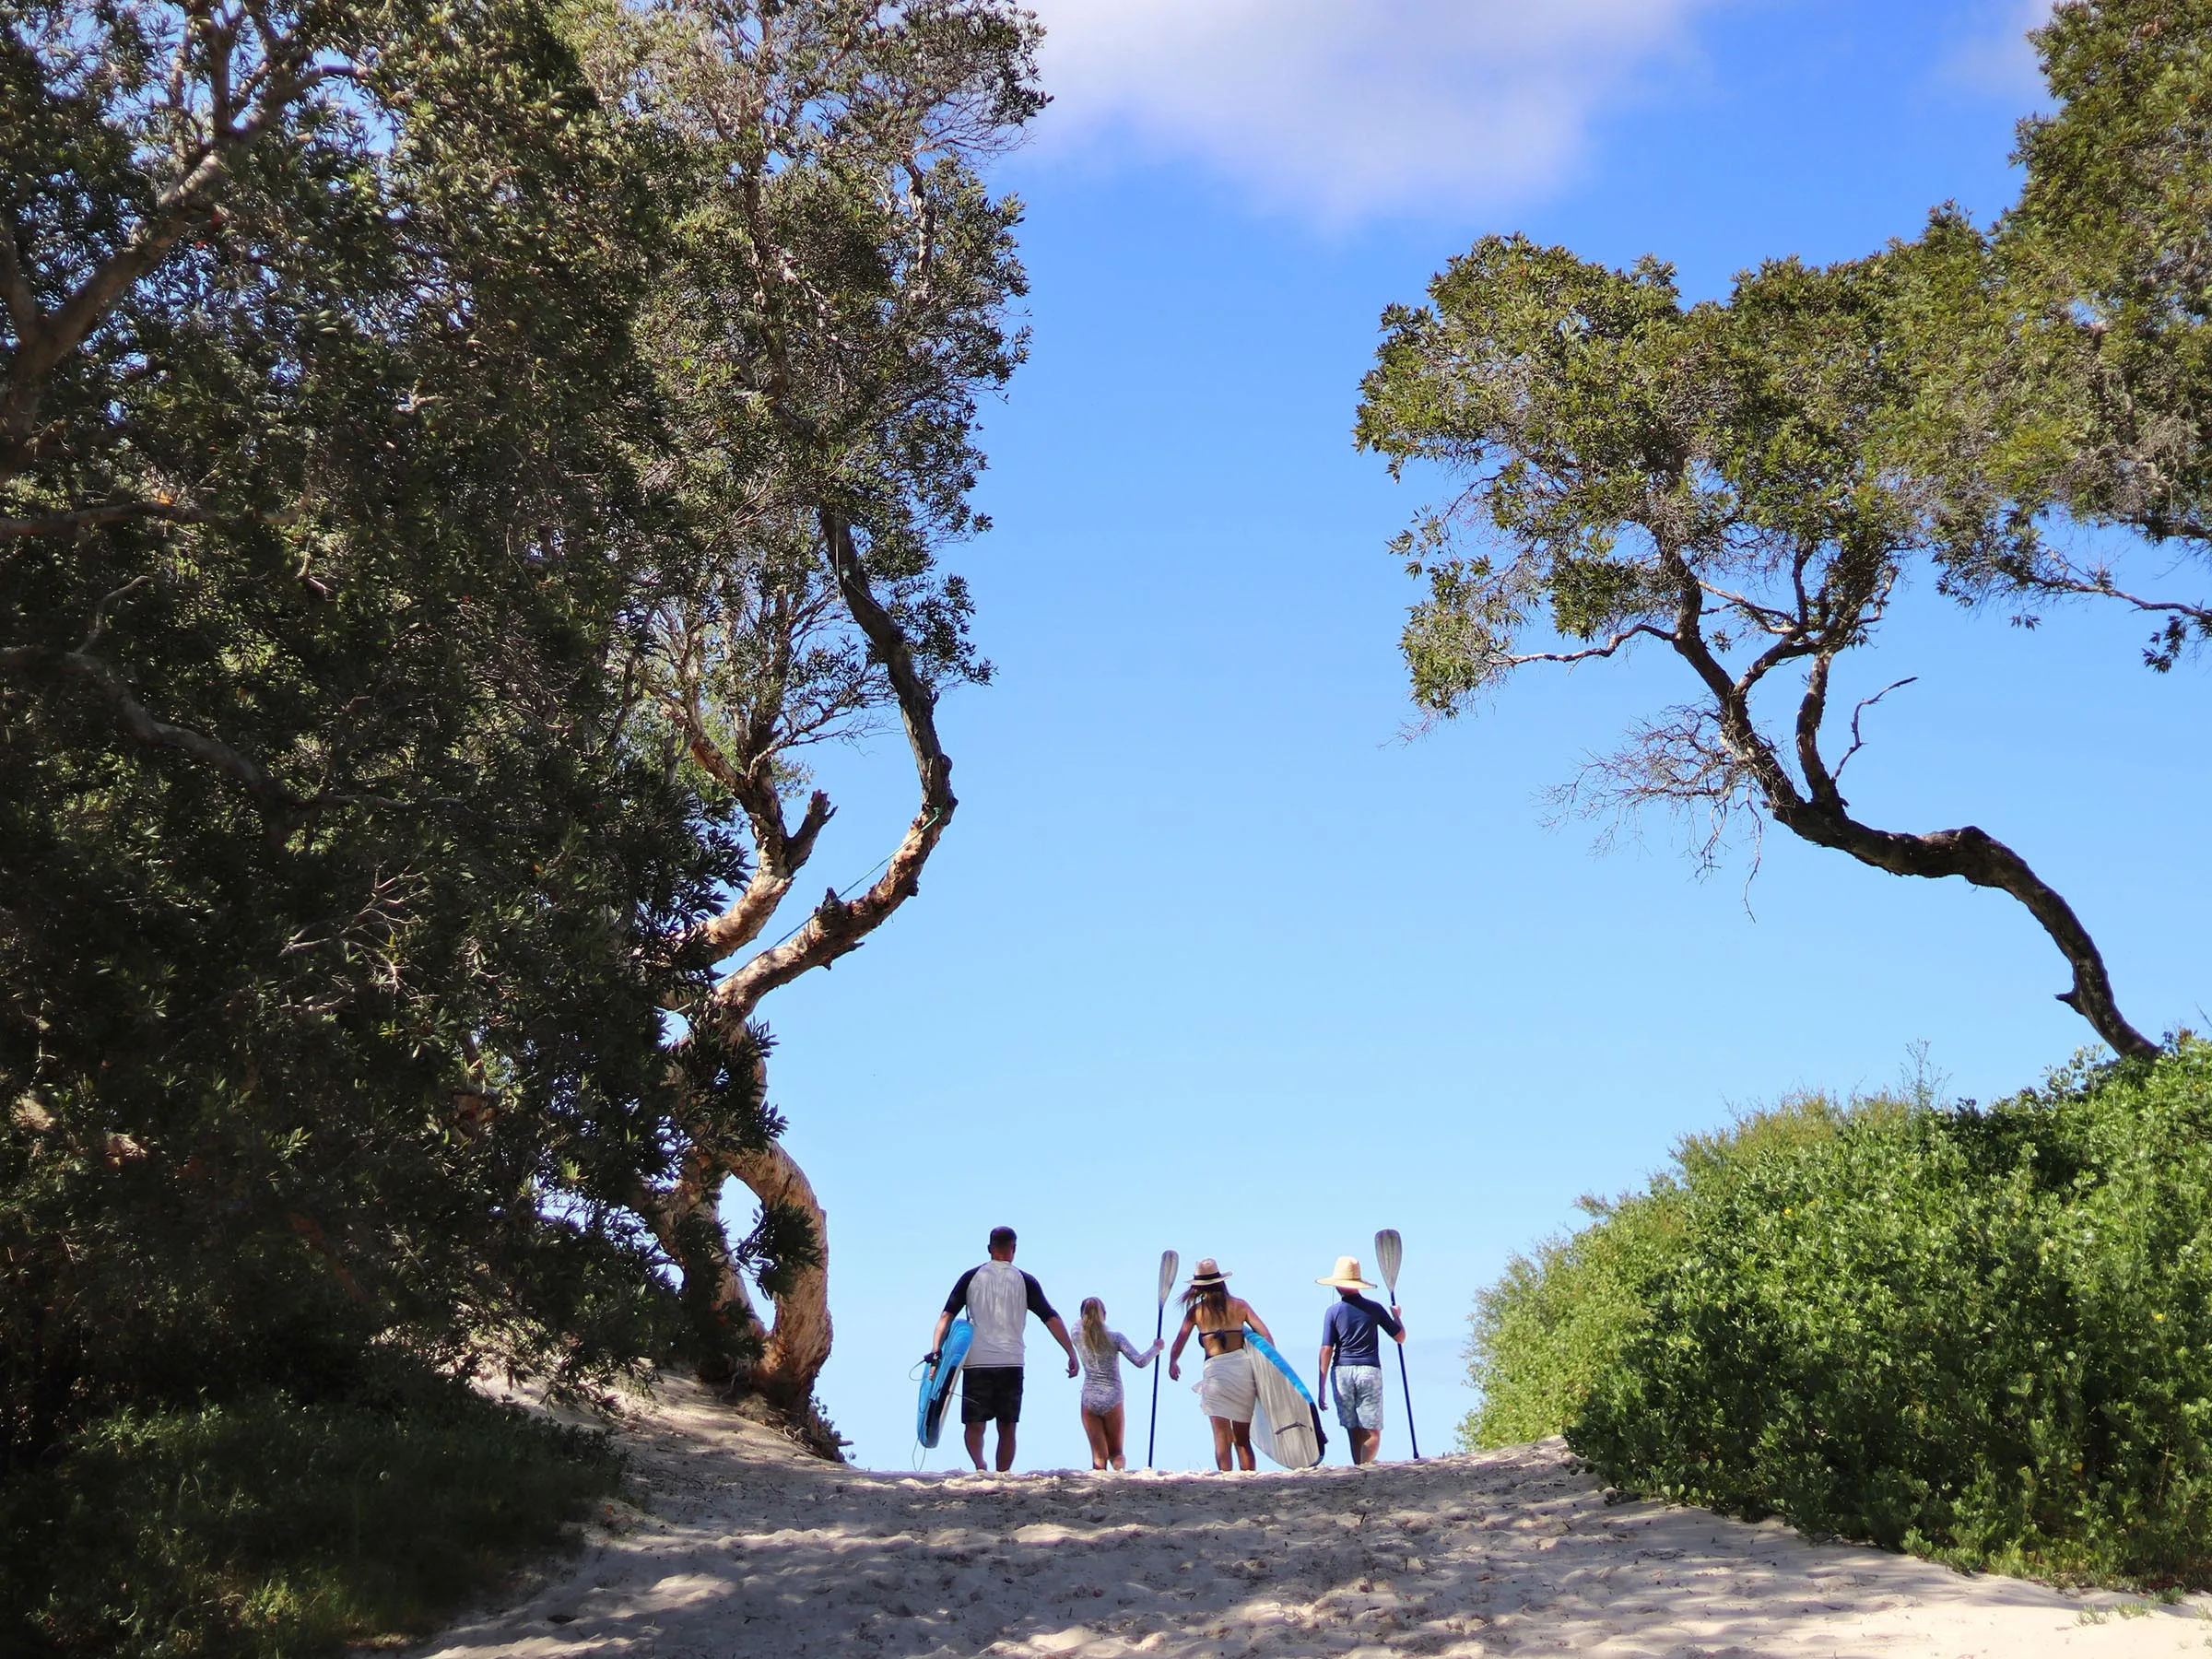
{"points": [[747, 1549]]}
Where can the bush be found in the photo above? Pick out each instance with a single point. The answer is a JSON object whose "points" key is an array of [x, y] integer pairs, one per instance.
{"points": [[1548, 1331], [264, 1527], [1981, 1334]]}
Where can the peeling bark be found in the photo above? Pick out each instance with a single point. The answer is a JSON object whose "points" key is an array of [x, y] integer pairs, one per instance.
{"points": [[798, 1346]]}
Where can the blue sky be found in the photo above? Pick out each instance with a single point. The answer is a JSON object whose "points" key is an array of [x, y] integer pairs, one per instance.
{"points": [[1213, 957]]}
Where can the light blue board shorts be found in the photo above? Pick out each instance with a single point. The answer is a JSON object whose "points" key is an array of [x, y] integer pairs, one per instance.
{"points": [[1358, 1395]]}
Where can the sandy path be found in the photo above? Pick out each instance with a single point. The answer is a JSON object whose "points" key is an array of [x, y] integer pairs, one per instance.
{"points": [[748, 1549]]}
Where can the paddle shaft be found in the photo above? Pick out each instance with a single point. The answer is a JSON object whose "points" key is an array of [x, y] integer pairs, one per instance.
{"points": [[1159, 1325], [1407, 1387]]}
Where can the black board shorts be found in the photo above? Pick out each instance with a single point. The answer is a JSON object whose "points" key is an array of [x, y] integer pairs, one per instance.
{"points": [[990, 1394]]}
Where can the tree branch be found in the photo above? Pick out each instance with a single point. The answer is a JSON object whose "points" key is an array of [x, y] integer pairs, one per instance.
{"points": [[1768, 618], [142, 727], [1865, 703], [839, 926], [44, 340], [1648, 629], [22, 304], [1979, 858], [93, 518]]}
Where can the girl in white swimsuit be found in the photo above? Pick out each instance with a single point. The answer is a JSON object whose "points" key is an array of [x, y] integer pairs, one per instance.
{"points": [[1101, 1351]]}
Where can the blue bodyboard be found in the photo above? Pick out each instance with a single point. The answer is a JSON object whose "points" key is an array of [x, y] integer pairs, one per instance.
{"points": [[936, 1382]]}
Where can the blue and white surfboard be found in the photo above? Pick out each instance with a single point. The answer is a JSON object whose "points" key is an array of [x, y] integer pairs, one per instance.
{"points": [[936, 1382], [1284, 1428]]}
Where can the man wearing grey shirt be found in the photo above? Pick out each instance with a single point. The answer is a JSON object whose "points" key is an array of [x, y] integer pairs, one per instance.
{"points": [[999, 1298]]}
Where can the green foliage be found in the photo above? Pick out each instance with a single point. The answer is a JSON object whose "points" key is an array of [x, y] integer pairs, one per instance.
{"points": [[1634, 457], [1981, 1334], [1747, 487], [389, 395], [1546, 1332], [333, 885], [2063, 357], [266, 1527]]}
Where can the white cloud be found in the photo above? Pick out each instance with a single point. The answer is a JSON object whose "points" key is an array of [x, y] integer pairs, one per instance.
{"points": [[1339, 109], [1998, 58]]}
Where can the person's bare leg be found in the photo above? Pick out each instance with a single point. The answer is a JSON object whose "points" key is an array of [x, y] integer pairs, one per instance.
{"points": [[1366, 1442], [1006, 1445], [974, 1436], [1094, 1430], [1222, 1433], [1111, 1424], [1244, 1457]]}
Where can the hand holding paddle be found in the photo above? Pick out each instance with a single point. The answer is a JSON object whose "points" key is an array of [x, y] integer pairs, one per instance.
{"points": [[1389, 1252], [1169, 1263]]}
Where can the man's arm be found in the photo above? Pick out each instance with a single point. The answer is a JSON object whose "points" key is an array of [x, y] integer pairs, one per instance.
{"points": [[1059, 1332], [1033, 1293], [1395, 1325], [1327, 1349], [953, 1304]]}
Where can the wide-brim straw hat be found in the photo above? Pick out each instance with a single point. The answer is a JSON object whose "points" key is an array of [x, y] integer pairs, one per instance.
{"points": [[1347, 1277], [1209, 1271]]}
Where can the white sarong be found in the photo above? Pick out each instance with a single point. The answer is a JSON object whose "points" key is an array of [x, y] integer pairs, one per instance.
{"points": [[1226, 1388]]}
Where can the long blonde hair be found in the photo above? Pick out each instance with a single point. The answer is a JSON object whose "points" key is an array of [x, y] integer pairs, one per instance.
{"points": [[1095, 1335]]}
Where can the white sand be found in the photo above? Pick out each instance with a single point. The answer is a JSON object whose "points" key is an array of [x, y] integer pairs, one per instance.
{"points": [[748, 1549]]}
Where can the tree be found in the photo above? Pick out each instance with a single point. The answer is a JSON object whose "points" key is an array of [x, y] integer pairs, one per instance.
{"points": [[2066, 355], [1726, 482], [334, 873], [838, 305]]}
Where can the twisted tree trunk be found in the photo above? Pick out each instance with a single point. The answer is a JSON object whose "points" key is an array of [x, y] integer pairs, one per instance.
{"points": [[686, 1217], [797, 1347]]}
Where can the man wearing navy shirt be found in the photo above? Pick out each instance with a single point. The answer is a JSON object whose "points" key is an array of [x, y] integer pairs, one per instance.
{"points": [[1351, 1358]]}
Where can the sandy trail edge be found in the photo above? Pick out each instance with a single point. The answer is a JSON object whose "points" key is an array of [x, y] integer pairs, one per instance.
{"points": [[748, 1549]]}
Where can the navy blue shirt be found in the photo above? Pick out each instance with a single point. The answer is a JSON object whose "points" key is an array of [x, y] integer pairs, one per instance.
{"points": [[1349, 1328]]}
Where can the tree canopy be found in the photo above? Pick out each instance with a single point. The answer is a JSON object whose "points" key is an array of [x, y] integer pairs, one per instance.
{"points": [[453, 460], [1752, 485]]}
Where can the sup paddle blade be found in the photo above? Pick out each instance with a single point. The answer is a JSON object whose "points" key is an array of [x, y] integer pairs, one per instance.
{"points": [[1169, 1264], [1390, 1254]]}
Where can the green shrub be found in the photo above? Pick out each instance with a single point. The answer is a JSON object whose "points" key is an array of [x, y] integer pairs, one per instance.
{"points": [[1545, 1334], [1983, 1334], [267, 1528]]}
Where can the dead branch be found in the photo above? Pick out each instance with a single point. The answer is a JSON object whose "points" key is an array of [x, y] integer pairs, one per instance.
{"points": [[1865, 703]]}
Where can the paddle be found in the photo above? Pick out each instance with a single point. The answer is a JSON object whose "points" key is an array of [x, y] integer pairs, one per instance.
{"points": [[1389, 1252], [1169, 1263]]}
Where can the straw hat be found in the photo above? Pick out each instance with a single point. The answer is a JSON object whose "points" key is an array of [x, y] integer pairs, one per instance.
{"points": [[1209, 1271], [1347, 1277]]}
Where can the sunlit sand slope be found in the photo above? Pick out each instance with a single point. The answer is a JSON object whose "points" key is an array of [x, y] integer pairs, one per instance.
{"points": [[747, 1549]]}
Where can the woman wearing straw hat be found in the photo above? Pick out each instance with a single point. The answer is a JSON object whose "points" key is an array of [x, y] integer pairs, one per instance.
{"points": [[1348, 1343], [1226, 1388]]}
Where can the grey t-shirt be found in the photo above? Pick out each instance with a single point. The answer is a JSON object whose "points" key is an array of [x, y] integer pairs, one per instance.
{"points": [[998, 1297]]}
